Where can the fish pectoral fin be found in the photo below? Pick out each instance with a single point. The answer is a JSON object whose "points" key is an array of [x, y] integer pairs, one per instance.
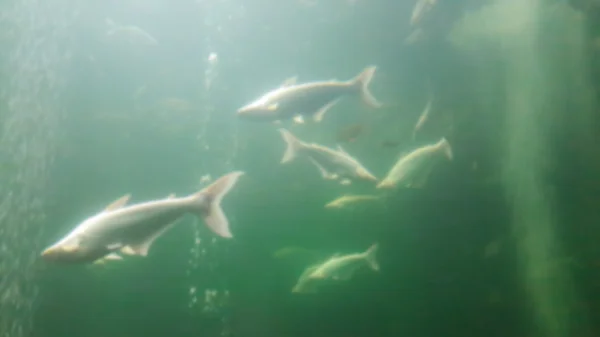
{"points": [[141, 248], [318, 116], [298, 119], [109, 257], [289, 81], [341, 149], [324, 173], [114, 246], [128, 251], [346, 182], [122, 201], [113, 257]]}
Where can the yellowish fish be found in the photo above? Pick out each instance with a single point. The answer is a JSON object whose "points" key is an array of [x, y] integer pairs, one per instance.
{"points": [[413, 169], [293, 251], [336, 268], [350, 199]]}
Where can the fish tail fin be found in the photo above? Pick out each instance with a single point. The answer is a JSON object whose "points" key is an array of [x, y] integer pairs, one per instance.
{"points": [[293, 145], [209, 203], [362, 82], [371, 256], [446, 148]]}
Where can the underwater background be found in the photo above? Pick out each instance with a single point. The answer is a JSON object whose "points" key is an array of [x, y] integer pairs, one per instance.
{"points": [[501, 241]]}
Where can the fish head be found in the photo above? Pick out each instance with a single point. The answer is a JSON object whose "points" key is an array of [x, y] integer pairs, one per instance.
{"points": [[71, 252], [61, 252], [258, 111], [265, 108], [386, 184], [363, 173]]}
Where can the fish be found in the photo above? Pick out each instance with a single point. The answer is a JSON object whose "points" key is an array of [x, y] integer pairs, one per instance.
{"points": [[305, 283], [390, 143], [132, 230], [293, 251], [313, 99], [333, 164], [422, 7], [412, 170], [337, 268], [349, 199], [349, 133], [423, 118], [131, 33]]}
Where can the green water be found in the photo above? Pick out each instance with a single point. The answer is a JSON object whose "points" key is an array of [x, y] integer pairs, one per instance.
{"points": [[501, 241]]}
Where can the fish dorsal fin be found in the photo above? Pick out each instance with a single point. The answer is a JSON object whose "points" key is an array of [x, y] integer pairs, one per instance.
{"points": [[122, 201], [141, 248], [288, 82], [171, 196], [345, 182]]}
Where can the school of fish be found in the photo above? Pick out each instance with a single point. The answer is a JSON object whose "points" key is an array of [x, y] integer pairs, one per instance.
{"points": [[123, 229]]}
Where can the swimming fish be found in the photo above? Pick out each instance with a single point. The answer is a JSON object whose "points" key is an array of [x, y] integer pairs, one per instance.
{"points": [[294, 251], [422, 7], [390, 143], [349, 199], [337, 268], [314, 99], [132, 229], [413, 169], [132, 34], [333, 164], [349, 133], [423, 117]]}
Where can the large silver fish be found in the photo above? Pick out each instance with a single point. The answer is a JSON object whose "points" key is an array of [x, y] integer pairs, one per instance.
{"points": [[312, 99], [131, 34], [413, 169], [333, 164], [422, 7], [132, 229]]}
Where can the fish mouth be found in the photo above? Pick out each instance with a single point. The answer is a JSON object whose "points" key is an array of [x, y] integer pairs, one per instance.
{"points": [[245, 110], [48, 253], [385, 185], [368, 176], [371, 178]]}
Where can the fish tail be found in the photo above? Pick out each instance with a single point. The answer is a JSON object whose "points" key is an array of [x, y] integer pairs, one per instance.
{"points": [[371, 256], [362, 81], [293, 145], [209, 203], [446, 148]]}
